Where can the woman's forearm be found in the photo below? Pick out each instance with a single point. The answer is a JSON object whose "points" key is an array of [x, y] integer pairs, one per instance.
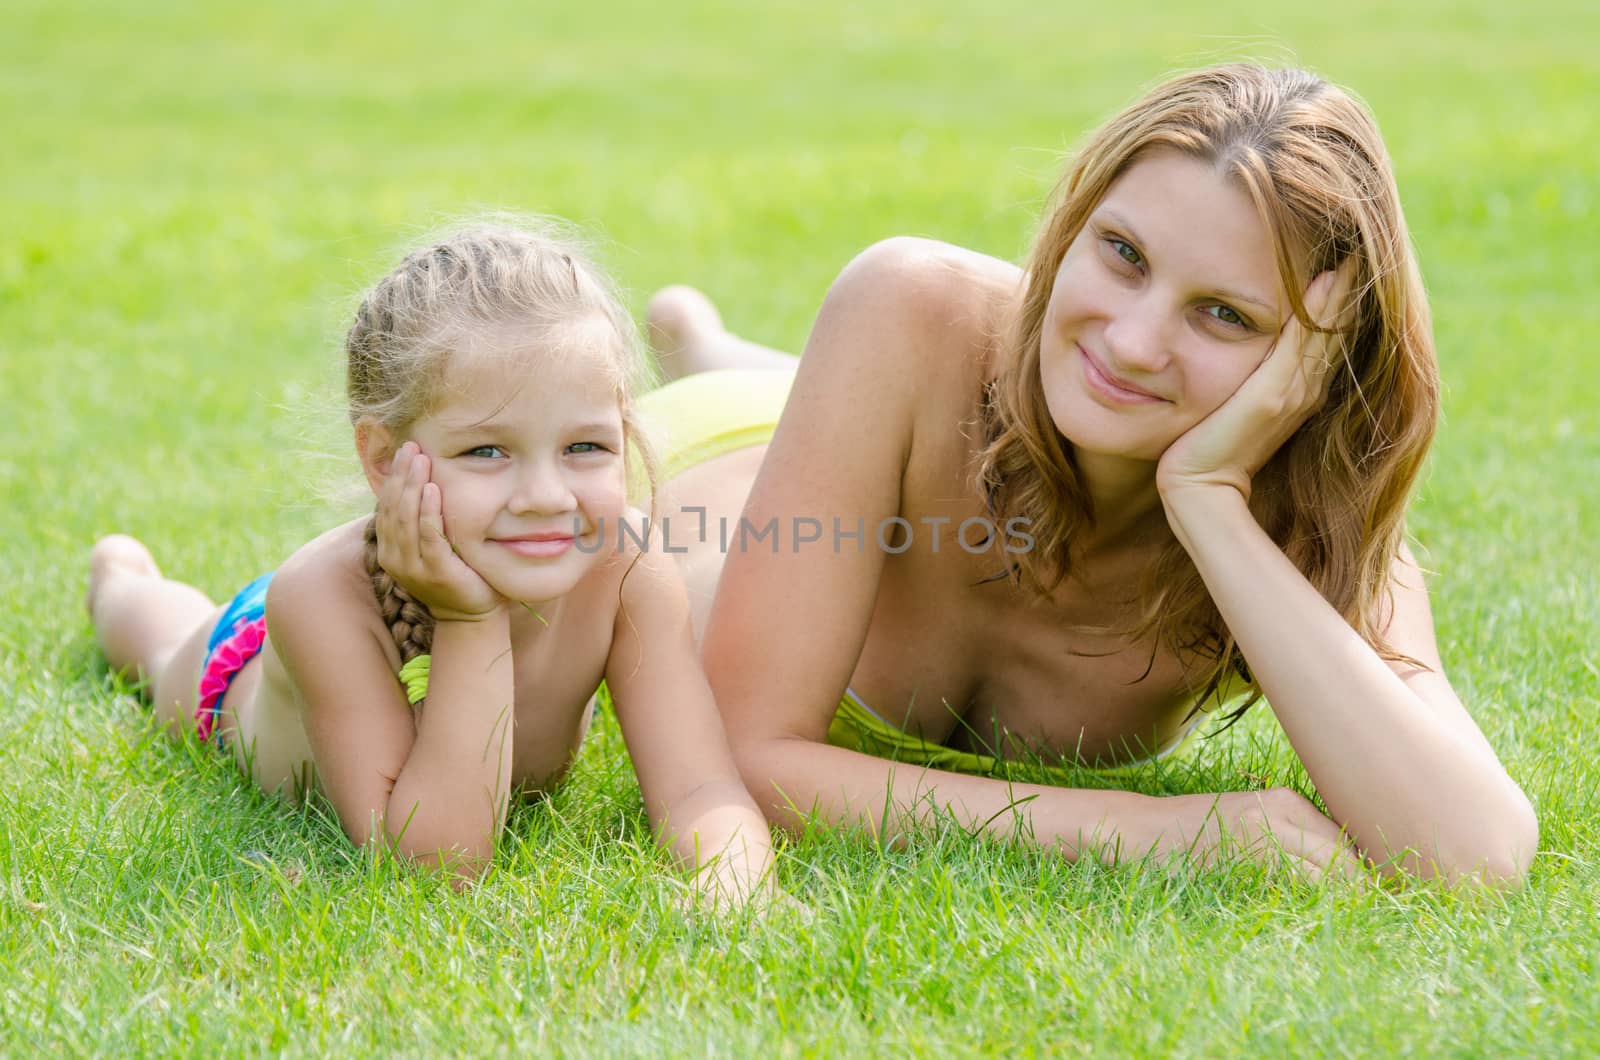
{"points": [[894, 801], [795, 780], [449, 801], [1394, 770]]}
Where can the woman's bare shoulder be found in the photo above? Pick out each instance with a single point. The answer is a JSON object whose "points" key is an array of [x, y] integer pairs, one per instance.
{"points": [[935, 286], [935, 313]]}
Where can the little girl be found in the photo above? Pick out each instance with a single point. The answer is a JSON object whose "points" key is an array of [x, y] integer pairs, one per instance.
{"points": [[420, 665]]}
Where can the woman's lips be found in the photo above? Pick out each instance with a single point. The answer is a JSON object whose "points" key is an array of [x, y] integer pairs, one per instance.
{"points": [[536, 547], [1110, 387]]}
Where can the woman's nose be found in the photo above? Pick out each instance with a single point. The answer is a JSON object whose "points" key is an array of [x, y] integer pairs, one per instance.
{"points": [[1137, 338]]}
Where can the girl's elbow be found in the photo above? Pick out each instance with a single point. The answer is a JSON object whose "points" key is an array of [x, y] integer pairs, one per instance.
{"points": [[462, 865], [458, 853]]}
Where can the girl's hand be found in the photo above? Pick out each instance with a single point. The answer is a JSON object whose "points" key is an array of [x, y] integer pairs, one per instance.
{"points": [[1278, 827], [1229, 446], [413, 548]]}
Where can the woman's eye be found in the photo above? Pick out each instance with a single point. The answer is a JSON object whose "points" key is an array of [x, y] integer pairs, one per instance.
{"points": [[1226, 315], [1125, 251], [486, 452]]}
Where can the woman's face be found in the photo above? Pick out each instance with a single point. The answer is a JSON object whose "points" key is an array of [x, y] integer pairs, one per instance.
{"points": [[1165, 302]]}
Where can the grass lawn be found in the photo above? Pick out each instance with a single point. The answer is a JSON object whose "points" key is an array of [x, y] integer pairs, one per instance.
{"points": [[192, 194]]}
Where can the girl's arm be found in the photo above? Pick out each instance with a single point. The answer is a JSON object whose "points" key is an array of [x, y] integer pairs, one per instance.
{"points": [[692, 789], [787, 629], [1390, 747], [437, 788]]}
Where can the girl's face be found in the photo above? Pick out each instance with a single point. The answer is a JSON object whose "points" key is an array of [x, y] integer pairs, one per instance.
{"points": [[1165, 302], [530, 467]]}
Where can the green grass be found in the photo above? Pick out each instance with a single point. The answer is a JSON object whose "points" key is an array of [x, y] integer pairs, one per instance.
{"points": [[192, 194]]}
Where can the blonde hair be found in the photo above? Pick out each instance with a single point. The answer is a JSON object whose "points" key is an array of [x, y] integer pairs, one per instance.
{"points": [[1333, 497], [428, 320]]}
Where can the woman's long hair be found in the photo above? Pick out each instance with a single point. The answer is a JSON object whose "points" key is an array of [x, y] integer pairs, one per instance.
{"points": [[1334, 496]]}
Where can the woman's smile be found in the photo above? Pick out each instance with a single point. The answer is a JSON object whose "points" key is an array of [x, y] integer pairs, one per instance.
{"points": [[1112, 388]]}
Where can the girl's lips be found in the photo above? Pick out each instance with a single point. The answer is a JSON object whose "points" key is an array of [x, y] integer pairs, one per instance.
{"points": [[541, 548], [1109, 388]]}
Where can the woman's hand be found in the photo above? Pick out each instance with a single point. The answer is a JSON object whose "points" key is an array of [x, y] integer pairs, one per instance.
{"points": [[1229, 446], [413, 548], [1278, 827]]}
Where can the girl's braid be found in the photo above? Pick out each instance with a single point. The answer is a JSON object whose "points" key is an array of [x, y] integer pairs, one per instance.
{"points": [[409, 620]]}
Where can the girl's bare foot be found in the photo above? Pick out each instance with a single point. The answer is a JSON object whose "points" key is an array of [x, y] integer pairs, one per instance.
{"points": [[114, 555], [140, 616]]}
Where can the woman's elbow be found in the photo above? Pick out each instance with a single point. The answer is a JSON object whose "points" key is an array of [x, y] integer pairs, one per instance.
{"points": [[1498, 854], [753, 755], [1518, 837], [465, 858]]}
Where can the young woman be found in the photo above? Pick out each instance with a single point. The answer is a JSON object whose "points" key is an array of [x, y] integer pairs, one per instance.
{"points": [[1176, 446]]}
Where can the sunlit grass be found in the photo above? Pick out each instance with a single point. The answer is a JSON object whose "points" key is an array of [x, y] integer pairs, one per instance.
{"points": [[192, 194]]}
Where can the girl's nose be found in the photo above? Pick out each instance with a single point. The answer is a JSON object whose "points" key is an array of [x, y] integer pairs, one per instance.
{"points": [[541, 489]]}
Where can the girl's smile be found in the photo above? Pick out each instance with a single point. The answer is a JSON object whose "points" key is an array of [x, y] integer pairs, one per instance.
{"points": [[539, 546]]}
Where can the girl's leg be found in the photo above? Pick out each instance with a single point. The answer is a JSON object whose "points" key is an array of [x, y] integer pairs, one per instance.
{"points": [[148, 625], [687, 336]]}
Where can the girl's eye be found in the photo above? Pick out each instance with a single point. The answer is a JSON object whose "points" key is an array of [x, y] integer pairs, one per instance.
{"points": [[1227, 315], [585, 447], [486, 452]]}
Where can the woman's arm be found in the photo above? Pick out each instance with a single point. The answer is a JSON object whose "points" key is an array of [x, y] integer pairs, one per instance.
{"points": [[692, 790], [1392, 751], [438, 789], [786, 629], [1389, 746]]}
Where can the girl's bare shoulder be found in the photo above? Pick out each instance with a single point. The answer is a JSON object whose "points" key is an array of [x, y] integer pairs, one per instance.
{"points": [[635, 555], [324, 586], [623, 546], [333, 562]]}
